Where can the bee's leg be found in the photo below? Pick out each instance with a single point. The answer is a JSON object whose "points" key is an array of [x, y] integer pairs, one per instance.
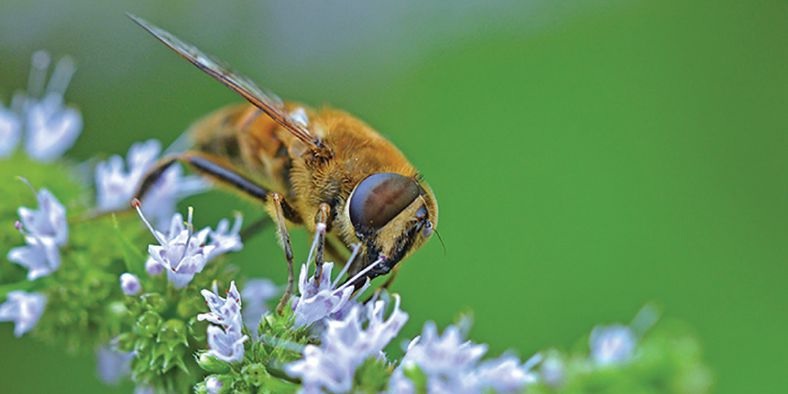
{"points": [[319, 244], [284, 239], [212, 167]]}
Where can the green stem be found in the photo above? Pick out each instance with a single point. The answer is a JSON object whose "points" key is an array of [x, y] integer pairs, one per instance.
{"points": [[9, 287]]}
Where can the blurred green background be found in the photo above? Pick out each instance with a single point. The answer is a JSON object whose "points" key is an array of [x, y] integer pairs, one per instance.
{"points": [[588, 156]]}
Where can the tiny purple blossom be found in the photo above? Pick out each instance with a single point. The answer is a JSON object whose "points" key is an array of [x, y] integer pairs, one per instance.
{"points": [[113, 365], [10, 131], [45, 229], [612, 344], [503, 375], [117, 181], [345, 344], [227, 239], [213, 385], [226, 345], [130, 284], [48, 221], [181, 253], [24, 309], [225, 339], [451, 365], [163, 196], [40, 256], [323, 298], [51, 128], [225, 312], [152, 267]]}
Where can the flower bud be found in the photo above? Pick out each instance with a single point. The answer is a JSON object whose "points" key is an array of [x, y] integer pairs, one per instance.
{"points": [[255, 374], [148, 324], [212, 364], [130, 284]]}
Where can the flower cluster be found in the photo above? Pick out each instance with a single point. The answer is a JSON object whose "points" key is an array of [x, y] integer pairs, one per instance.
{"points": [[450, 364], [49, 127], [345, 345], [45, 231], [117, 182], [225, 337]]}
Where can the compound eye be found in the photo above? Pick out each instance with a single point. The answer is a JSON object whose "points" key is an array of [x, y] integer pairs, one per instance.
{"points": [[379, 198]]}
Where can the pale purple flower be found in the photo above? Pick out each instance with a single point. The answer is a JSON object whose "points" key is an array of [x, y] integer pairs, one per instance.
{"points": [[144, 389], [130, 284], [10, 131], [213, 385], [256, 294], [445, 359], [45, 229], [117, 181], [227, 239], [323, 298], [152, 267], [452, 365], [48, 221], [181, 253], [503, 375], [51, 128], [24, 309], [113, 365], [163, 196], [40, 256], [345, 344], [226, 345], [225, 339], [612, 344], [226, 311]]}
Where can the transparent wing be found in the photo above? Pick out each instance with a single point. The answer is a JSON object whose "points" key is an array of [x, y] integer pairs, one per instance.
{"points": [[267, 102]]}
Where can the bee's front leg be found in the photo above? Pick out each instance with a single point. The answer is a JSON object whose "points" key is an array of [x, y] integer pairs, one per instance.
{"points": [[284, 239], [319, 243]]}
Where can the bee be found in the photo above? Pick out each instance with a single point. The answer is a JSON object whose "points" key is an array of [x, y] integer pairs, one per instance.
{"points": [[322, 169]]}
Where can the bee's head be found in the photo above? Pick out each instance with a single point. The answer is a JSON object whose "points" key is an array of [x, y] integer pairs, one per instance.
{"points": [[392, 215]]}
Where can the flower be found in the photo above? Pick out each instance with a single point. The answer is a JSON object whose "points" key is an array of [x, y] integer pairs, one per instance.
{"points": [[612, 344], [213, 385], [113, 365], [182, 253], [169, 188], [117, 182], [226, 345], [49, 221], [345, 344], [115, 186], [322, 298], [130, 284], [225, 312], [227, 239], [24, 309], [45, 229], [504, 374], [451, 365], [51, 128], [255, 295], [40, 256], [10, 131], [225, 339]]}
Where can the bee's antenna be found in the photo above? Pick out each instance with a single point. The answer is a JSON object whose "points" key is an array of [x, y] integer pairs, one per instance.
{"points": [[441, 239]]}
